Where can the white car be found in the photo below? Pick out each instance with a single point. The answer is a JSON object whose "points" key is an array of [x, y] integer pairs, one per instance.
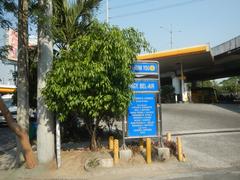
{"points": [[12, 108]]}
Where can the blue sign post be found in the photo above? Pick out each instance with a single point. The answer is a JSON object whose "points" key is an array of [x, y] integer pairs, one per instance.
{"points": [[142, 118]]}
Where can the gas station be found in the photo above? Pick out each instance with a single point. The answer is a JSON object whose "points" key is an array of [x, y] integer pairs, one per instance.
{"points": [[197, 63]]}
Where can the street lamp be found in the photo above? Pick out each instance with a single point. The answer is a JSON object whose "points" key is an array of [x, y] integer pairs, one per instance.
{"points": [[170, 31]]}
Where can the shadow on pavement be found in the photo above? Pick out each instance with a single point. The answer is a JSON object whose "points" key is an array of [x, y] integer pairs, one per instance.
{"points": [[230, 107]]}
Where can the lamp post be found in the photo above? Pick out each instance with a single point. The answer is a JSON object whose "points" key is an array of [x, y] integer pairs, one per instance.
{"points": [[170, 31]]}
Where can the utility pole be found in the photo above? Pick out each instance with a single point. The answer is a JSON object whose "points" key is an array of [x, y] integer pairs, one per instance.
{"points": [[170, 31], [107, 12]]}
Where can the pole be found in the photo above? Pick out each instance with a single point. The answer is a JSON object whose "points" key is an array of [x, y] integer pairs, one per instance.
{"points": [[179, 149], [58, 144], [148, 151], [124, 131], [171, 37], [115, 151], [107, 12], [170, 31], [160, 131], [182, 82]]}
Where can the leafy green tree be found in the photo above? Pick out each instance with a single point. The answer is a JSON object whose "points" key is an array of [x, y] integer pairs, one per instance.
{"points": [[231, 85], [93, 75]]}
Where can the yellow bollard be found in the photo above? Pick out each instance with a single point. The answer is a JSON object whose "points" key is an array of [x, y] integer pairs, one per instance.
{"points": [[141, 142], [179, 149], [169, 137], [115, 151], [148, 151], [110, 142]]}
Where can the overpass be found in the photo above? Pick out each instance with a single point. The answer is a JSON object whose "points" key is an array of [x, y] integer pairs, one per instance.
{"points": [[201, 62]]}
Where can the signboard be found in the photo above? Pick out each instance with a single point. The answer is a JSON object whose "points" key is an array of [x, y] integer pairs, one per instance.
{"points": [[142, 118], [145, 68], [145, 85]]}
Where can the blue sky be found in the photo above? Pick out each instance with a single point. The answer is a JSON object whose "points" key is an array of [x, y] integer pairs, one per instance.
{"points": [[200, 21]]}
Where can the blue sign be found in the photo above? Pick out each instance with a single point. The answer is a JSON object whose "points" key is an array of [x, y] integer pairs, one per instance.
{"points": [[145, 68], [145, 85], [142, 116]]}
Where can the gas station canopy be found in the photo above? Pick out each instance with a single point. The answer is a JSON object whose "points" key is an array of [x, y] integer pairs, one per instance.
{"points": [[191, 58], [199, 62]]}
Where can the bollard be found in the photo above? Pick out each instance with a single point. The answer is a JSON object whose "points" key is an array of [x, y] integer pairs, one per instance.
{"points": [[110, 142], [148, 151], [115, 151], [141, 142], [179, 149], [169, 137]]}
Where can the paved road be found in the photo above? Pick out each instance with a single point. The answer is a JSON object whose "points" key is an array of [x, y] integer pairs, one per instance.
{"points": [[211, 139], [197, 117], [7, 139]]}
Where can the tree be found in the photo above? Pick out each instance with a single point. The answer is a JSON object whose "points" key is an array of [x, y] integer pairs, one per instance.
{"points": [[71, 20], [22, 80], [92, 77], [231, 85], [20, 128], [45, 130], [21, 134]]}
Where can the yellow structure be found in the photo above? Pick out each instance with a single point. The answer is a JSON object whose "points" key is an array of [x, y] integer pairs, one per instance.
{"points": [[141, 143], [7, 89], [169, 137], [179, 149], [174, 52], [115, 151], [148, 151], [110, 142]]}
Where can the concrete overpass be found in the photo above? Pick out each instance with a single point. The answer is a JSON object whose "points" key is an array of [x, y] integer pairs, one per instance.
{"points": [[196, 63]]}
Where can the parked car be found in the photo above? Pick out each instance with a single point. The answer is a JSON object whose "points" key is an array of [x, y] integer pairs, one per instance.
{"points": [[12, 108]]}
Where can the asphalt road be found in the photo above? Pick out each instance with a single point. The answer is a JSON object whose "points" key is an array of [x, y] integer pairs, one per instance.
{"points": [[200, 117], [210, 135]]}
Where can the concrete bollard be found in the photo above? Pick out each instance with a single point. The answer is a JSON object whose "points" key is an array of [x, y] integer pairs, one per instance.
{"points": [[115, 151], [148, 151], [110, 142], [169, 137], [179, 149]]}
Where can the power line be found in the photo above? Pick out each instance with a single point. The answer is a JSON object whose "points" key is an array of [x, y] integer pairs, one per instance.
{"points": [[156, 9], [131, 4]]}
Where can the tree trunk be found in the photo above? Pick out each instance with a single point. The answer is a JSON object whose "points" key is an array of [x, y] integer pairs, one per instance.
{"points": [[92, 129], [21, 134], [22, 81], [93, 145], [45, 131]]}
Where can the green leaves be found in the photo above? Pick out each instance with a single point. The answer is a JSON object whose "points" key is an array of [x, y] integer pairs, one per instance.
{"points": [[93, 76]]}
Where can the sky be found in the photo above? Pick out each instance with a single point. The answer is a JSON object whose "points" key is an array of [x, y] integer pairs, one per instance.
{"points": [[193, 22]]}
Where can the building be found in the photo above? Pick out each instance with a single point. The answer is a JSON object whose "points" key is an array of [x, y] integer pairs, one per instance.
{"points": [[8, 66]]}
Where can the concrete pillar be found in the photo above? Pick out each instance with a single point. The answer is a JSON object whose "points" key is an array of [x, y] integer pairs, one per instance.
{"points": [[177, 86]]}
